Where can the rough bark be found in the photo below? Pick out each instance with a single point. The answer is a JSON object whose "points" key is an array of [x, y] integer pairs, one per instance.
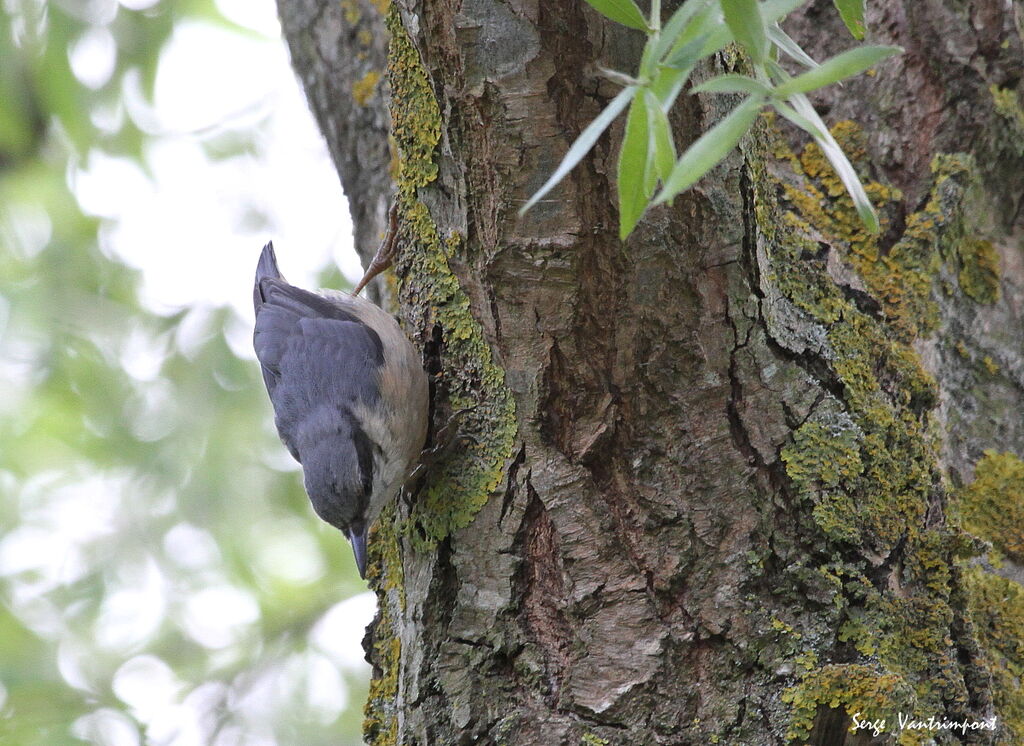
{"points": [[728, 476]]}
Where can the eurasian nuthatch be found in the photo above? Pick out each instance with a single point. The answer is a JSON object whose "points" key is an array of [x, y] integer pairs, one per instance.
{"points": [[349, 393]]}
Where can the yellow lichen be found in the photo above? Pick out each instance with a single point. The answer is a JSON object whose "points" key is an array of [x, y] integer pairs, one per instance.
{"points": [[899, 276], [453, 497], [866, 692], [875, 480], [365, 87], [979, 269], [1007, 105], [350, 9], [997, 612], [820, 459], [384, 573], [457, 488], [415, 116], [992, 506]]}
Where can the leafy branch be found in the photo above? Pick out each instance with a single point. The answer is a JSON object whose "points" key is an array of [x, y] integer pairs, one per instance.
{"points": [[699, 29]]}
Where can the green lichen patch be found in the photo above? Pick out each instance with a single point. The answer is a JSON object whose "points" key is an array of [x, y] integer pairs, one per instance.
{"points": [[872, 466], [470, 377], [821, 458], [867, 459], [992, 506], [899, 276], [352, 14], [365, 87], [824, 455], [909, 631], [1007, 105], [979, 269], [384, 573], [869, 693], [415, 116], [997, 613]]}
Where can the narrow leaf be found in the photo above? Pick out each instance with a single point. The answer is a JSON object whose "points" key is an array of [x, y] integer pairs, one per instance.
{"points": [[707, 23], [710, 148], [836, 156], [633, 168], [661, 136], [625, 12], [648, 60], [668, 83], [744, 20], [840, 67], [584, 143], [852, 13], [677, 25], [783, 41], [730, 83], [773, 10], [800, 121], [688, 54]]}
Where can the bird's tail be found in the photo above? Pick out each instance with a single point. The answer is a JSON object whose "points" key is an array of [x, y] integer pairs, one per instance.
{"points": [[265, 268]]}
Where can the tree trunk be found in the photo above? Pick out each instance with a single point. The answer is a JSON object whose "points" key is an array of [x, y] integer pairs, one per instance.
{"points": [[727, 476]]}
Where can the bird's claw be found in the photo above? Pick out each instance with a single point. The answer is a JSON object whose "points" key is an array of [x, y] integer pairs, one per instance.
{"points": [[385, 252], [444, 441]]}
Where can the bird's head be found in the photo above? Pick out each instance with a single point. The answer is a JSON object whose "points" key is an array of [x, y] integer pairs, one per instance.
{"points": [[338, 475]]}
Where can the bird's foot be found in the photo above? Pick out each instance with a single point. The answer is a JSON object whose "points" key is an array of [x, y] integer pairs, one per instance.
{"points": [[385, 252], [444, 442]]}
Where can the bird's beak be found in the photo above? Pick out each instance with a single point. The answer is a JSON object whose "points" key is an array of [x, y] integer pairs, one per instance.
{"points": [[358, 540]]}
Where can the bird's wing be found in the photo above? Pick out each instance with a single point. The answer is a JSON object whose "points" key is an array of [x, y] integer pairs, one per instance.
{"points": [[313, 354]]}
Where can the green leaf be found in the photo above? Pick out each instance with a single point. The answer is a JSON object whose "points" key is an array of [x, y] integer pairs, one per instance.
{"points": [[773, 10], [649, 60], [668, 83], [840, 67], [731, 83], [836, 156], [661, 136], [719, 34], [710, 148], [688, 54], [782, 40], [625, 12], [800, 121], [584, 143], [677, 25], [744, 20], [707, 23], [852, 13], [635, 185]]}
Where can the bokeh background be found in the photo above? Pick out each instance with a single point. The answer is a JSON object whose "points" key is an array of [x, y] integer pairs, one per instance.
{"points": [[162, 577]]}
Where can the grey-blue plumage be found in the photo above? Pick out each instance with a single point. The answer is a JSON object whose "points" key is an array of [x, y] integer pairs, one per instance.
{"points": [[349, 395]]}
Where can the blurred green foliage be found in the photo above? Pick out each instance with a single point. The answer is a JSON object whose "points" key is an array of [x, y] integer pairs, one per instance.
{"points": [[160, 580]]}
